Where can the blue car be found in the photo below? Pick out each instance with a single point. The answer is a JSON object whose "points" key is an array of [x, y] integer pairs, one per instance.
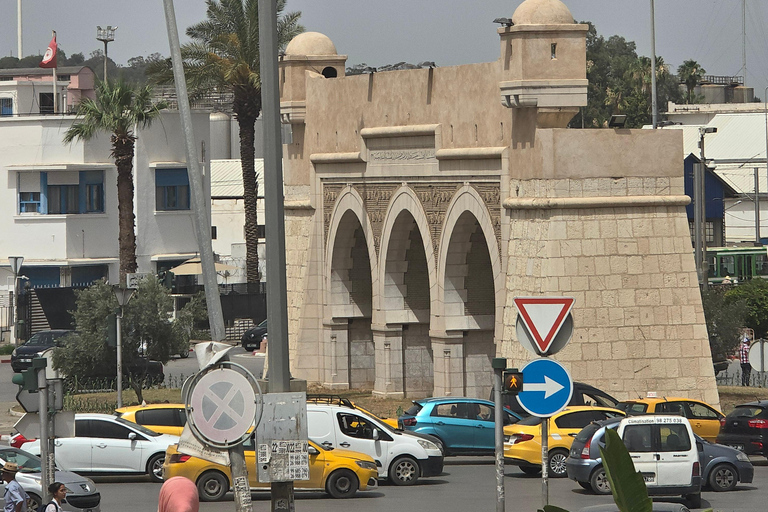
{"points": [[465, 426]]}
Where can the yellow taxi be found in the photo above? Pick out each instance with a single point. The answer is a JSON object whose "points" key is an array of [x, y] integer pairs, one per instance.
{"points": [[162, 418], [522, 440], [340, 473], [704, 419]]}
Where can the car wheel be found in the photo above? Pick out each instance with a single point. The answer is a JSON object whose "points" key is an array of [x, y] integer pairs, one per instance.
{"points": [[557, 463], [155, 467], [34, 503], [404, 471], [530, 470], [342, 484], [694, 500], [212, 486], [599, 483], [723, 477], [184, 354]]}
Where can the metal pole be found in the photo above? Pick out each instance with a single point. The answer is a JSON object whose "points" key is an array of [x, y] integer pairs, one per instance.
{"points": [[42, 392], [499, 436], [240, 484], [544, 462], [697, 199], [105, 61], [654, 105], [13, 311], [757, 206], [277, 303], [744, 47], [119, 357], [18, 27], [201, 201]]}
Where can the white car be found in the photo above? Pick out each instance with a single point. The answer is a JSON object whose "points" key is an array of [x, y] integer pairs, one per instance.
{"points": [[108, 444]]}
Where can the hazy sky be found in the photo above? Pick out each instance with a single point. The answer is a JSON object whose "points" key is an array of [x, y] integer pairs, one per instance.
{"points": [[449, 32]]}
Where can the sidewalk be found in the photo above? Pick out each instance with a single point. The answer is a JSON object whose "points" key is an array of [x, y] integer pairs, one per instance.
{"points": [[7, 420]]}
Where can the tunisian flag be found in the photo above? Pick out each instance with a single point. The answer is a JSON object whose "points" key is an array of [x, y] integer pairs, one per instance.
{"points": [[49, 59]]}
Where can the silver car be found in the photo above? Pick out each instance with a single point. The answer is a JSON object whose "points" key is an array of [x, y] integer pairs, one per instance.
{"points": [[82, 495]]}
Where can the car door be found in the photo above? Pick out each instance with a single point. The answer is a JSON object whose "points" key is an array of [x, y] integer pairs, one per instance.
{"points": [[74, 453], [638, 438], [704, 420], [676, 454], [450, 423], [484, 427], [321, 427], [113, 449], [358, 433]]}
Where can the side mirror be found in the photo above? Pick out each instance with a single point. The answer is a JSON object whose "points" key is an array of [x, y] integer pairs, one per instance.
{"points": [[313, 451], [375, 434], [132, 436]]}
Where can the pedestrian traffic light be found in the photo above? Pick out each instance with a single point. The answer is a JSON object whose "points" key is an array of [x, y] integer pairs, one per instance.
{"points": [[513, 381]]}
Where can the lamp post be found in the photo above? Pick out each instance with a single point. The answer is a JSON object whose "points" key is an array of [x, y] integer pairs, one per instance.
{"points": [[123, 296], [699, 211], [105, 35], [16, 262]]}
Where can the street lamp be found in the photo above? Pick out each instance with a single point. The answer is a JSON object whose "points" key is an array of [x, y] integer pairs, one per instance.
{"points": [[123, 296], [699, 211], [16, 262], [105, 35]]}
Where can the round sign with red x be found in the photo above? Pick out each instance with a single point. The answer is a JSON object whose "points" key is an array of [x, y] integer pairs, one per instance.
{"points": [[221, 407]]}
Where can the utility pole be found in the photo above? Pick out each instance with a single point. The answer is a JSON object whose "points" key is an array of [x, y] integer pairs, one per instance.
{"points": [[744, 46], [277, 302], [757, 206], [654, 99], [699, 212]]}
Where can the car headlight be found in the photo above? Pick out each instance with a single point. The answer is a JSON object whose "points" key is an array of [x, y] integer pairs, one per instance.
{"points": [[742, 457], [366, 464], [428, 445]]}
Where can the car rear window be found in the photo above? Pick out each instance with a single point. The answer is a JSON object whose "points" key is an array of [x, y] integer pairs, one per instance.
{"points": [[632, 407], [530, 420], [746, 411], [587, 432], [414, 409]]}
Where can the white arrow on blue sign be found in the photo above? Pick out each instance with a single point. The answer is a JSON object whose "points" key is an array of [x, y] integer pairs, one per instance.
{"points": [[547, 387]]}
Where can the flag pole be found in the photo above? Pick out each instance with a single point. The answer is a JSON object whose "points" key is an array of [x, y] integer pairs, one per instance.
{"points": [[55, 89]]}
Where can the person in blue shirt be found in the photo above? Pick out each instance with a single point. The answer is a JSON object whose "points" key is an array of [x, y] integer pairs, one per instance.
{"points": [[15, 497]]}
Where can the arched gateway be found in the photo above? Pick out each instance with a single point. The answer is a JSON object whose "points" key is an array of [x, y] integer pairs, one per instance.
{"points": [[420, 202]]}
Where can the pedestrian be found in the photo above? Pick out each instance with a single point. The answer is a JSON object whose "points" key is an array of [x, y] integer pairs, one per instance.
{"points": [[178, 494], [746, 368], [15, 497], [59, 491]]}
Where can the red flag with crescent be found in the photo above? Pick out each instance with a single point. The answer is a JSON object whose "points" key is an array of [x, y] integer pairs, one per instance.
{"points": [[49, 59]]}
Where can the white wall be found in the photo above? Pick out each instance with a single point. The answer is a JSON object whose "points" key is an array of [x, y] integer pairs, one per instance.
{"points": [[740, 220]]}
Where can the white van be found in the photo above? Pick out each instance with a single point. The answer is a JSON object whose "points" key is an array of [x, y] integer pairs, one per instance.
{"points": [[663, 448], [400, 456]]}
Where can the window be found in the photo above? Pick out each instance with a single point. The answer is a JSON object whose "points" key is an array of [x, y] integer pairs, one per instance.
{"points": [[702, 412], [578, 419], [29, 202], [92, 183], [171, 189], [6, 106], [353, 425], [671, 408], [213, 233], [63, 199], [109, 430], [674, 438], [554, 51], [446, 410], [160, 417], [637, 438], [46, 102]]}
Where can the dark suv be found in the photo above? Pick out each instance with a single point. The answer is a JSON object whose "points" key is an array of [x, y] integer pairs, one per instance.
{"points": [[746, 428], [21, 358], [252, 338], [583, 394]]}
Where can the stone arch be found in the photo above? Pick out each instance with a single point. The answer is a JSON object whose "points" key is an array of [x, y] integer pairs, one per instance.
{"points": [[471, 295], [406, 284], [347, 346]]}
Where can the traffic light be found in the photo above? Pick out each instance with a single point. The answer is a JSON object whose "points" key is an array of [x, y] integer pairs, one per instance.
{"points": [[513, 381], [27, 379], [112, 330]]}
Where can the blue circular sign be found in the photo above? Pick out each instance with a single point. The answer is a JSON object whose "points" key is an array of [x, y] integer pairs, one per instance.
{"points": [[547, 387]]}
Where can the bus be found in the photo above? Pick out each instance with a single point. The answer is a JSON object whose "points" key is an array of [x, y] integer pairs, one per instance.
{"points": [[737, 263]]}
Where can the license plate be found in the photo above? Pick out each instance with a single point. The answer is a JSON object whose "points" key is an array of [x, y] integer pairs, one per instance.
{"points": [[649, 477], [25, 360]]}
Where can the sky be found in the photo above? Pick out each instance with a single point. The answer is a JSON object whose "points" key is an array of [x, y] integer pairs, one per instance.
{"points": [[448, 32]]}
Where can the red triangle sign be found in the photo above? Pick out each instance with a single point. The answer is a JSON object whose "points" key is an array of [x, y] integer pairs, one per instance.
{"points": [[543, 317]]}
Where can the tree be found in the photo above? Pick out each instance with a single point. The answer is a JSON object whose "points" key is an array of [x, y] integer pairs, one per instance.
{"points": [[224, 56], [690, 73], [725, 319], [147, 332], [754, 294], [117, 108]]}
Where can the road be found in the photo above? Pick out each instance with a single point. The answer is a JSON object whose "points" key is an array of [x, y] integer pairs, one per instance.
{"points": [[467, 484]]}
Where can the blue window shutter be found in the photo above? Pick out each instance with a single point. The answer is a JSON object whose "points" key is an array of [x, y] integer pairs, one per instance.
{"points": [[81, 192], [43, 192]]}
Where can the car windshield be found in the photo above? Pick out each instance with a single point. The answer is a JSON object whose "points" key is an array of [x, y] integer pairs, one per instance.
{"points": [[39, 339], [137, 427], [27, 462]]}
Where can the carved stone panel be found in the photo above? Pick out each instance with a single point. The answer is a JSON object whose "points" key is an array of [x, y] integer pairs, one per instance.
{"points": [[491, 194]]}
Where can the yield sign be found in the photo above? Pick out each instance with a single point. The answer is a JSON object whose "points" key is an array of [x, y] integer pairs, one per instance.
{"points": [[543, 317]]}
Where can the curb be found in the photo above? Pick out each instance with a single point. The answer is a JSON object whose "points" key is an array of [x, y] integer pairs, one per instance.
{"points": [[5, 359]]}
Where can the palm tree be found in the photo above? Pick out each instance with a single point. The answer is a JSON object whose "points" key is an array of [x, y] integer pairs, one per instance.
{"points": [[224, 57], [118, 109], [690, 73]]}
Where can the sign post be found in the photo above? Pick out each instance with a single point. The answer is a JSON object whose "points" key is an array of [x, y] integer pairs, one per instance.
{"points": [[499, 365], [544, 327]]}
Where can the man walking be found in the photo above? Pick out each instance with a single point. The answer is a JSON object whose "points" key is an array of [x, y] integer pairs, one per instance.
{"points": [[15, 497], [746, 368]]}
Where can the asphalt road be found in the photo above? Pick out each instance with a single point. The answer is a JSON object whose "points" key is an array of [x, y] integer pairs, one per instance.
{"points": [[467, 484]]}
